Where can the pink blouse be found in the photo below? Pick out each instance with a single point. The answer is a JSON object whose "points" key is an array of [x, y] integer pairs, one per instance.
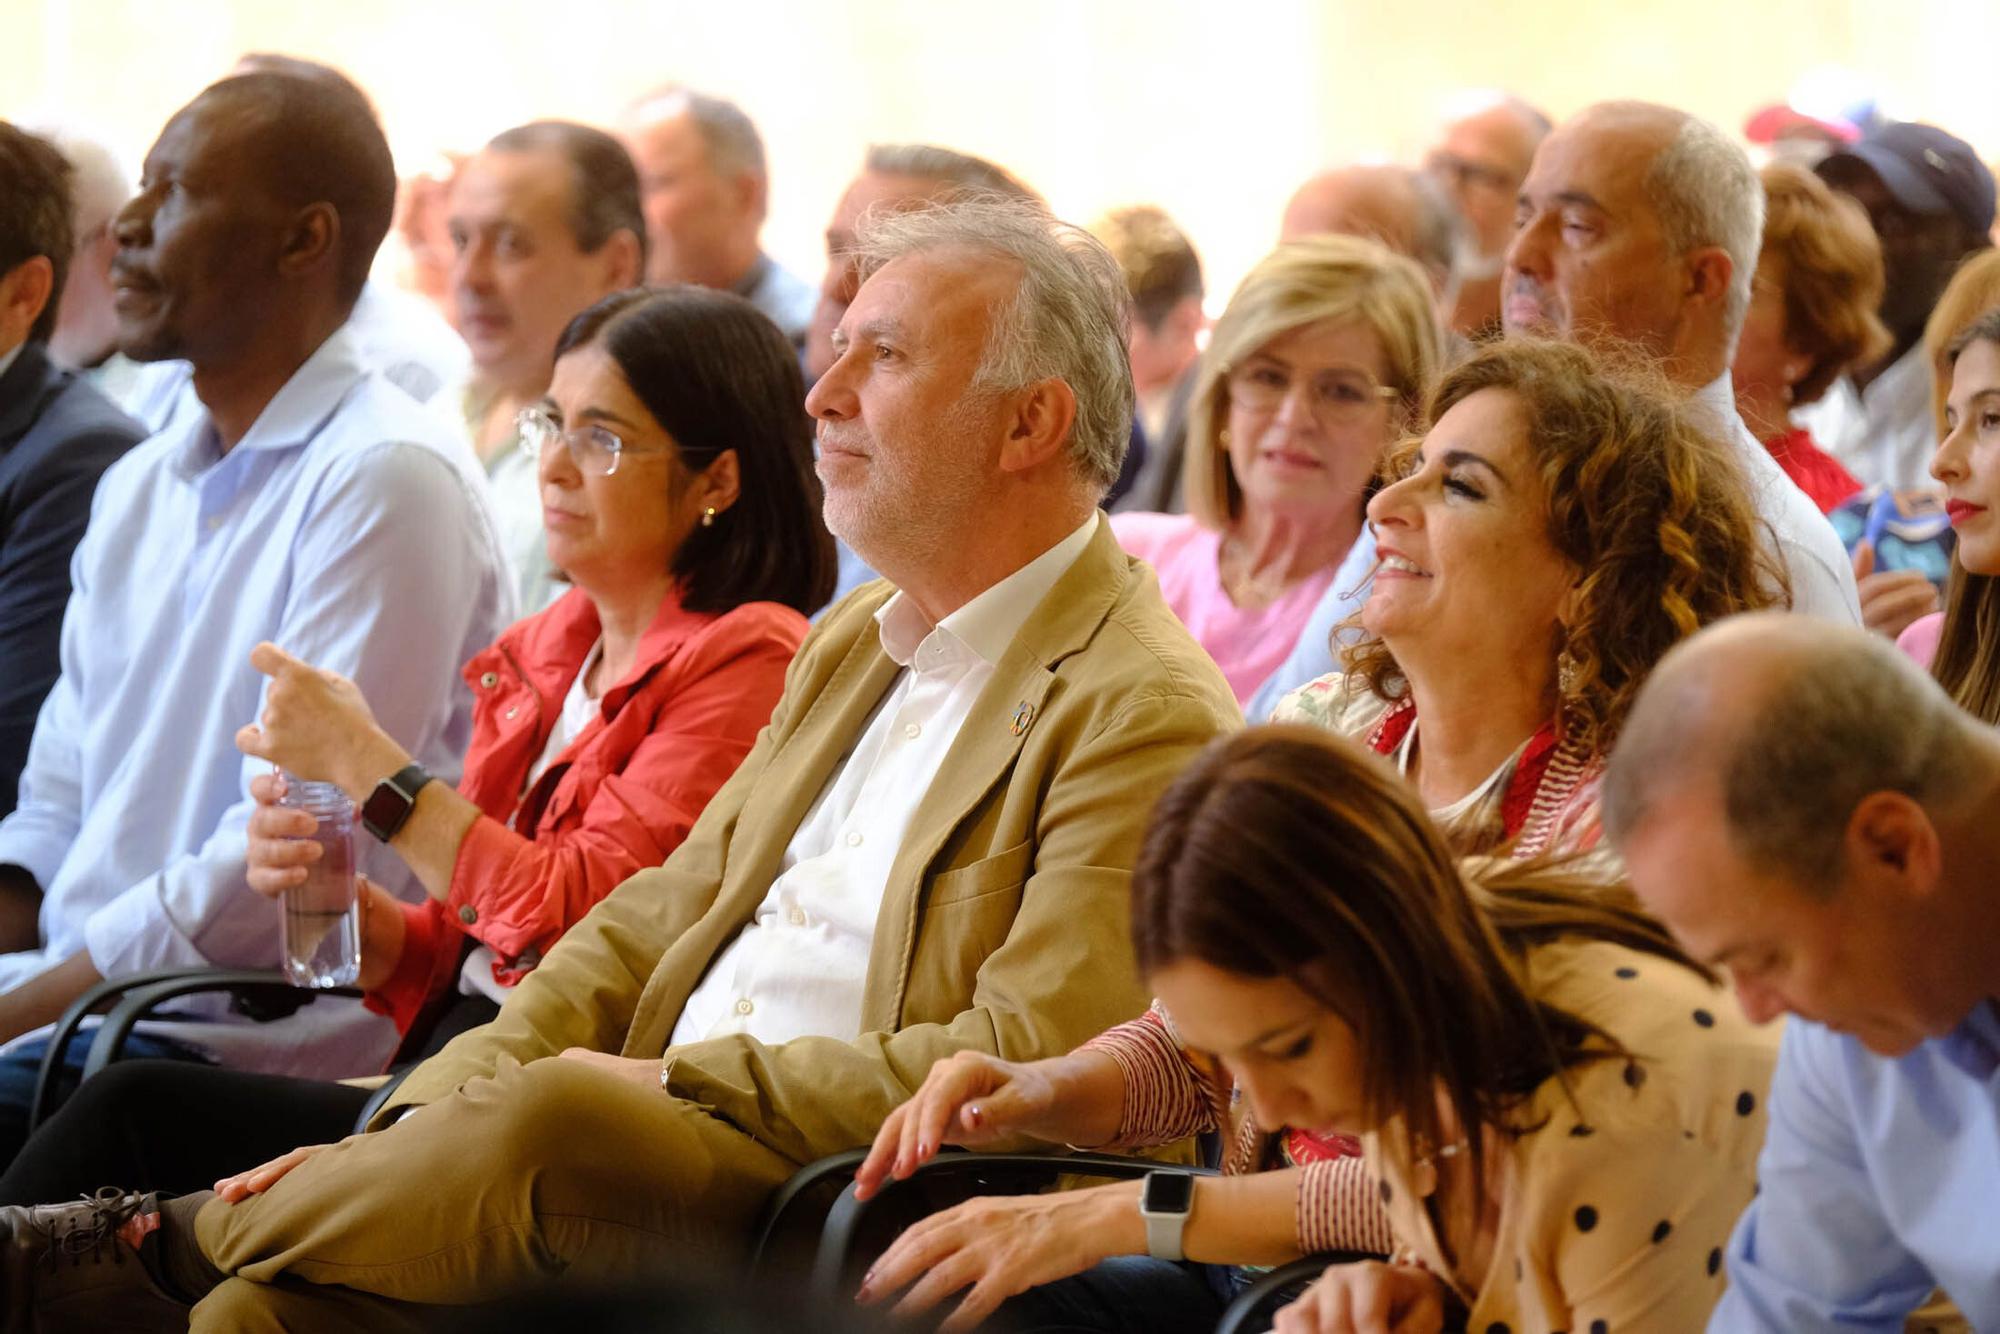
{"points": [[1247, 645]]}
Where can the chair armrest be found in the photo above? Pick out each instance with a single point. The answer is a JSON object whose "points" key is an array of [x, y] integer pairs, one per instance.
{"points": [[987, 1173], [1255, 1304], [383, 1092], [65, 1030], [252, 988]]}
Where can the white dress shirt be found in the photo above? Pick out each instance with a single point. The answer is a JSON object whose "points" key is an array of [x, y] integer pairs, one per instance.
{"points": [[347, 527], [1822, 575], [1884, 434], [799, 967]]}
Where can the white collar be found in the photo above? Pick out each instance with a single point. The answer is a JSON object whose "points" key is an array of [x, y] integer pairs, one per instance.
{"points": [[985, 626]]}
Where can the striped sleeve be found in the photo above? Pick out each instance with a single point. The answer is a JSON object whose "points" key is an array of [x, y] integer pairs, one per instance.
{"points": [[1340, 1209], [1166, 1096]]}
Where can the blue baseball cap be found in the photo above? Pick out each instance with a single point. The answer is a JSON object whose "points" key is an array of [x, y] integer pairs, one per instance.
{"points": [[1928, 170]]}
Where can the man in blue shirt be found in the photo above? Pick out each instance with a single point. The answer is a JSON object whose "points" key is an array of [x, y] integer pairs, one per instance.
{"points": [[312, 504], [1805, 808]]}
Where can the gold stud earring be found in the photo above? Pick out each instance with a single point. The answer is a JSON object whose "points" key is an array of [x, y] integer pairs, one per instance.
{"points": [[1222, 438], [708, 517]]}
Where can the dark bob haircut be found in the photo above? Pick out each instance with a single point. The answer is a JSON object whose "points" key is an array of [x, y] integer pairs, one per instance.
{"points": [[717, 375]]}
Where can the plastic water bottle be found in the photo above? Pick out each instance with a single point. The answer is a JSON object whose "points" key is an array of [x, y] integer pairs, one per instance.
{"points": [[323, 915]]}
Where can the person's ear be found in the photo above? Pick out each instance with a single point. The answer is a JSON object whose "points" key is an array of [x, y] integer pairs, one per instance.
{"points": [[1038, 425], [1708, 272], [720, 484], [312, 240], [752, 195], [619, 264], [1891, 842], [25, 292]]}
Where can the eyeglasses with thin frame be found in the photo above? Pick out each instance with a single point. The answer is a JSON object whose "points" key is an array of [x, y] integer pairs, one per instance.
{"points": [[1337, 396], [596, 449]]}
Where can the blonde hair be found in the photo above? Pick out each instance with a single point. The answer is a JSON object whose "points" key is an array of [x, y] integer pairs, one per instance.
{"points": [[1831, 274], [1972, 291], [1316, 280]]}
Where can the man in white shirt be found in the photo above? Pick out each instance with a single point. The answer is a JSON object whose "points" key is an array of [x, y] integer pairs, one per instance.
{"points": [[706, 188], [1639, 225], [928, 851], [309, 503], [1930, 200]]}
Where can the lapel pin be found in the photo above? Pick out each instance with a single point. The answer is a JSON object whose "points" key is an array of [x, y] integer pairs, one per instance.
{"points": [[1024, 715]]}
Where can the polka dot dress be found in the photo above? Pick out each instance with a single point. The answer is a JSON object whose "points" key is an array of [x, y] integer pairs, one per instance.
{"points": [[1619, 1201]]}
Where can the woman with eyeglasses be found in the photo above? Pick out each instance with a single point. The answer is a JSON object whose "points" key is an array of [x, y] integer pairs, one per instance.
{"points": [[679, 500], [1318, 363]]}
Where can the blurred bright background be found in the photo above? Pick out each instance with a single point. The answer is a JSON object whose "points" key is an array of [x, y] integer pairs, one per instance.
{"points": [[1214, 109]]}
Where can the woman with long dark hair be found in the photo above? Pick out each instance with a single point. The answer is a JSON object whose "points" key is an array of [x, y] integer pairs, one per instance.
{"points": [[1560, 1113]]}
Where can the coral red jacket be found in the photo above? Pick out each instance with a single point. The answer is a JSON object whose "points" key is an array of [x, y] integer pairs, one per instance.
{"points": [[620, 797]]}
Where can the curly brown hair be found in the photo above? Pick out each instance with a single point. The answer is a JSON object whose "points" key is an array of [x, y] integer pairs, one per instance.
{"points": [[1654, 513], [1829, 269]]}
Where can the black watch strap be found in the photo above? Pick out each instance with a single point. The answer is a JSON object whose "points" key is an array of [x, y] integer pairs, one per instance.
{"points": [[389, 805]]}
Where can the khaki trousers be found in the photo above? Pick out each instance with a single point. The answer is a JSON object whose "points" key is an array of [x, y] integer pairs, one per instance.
{"points": [[554, 1170]]}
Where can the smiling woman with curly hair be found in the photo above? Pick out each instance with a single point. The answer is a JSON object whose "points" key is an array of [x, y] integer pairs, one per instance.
{"points": [[1562, 524]]}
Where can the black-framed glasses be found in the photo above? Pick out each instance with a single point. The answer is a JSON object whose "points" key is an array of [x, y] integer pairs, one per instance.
{"points": [[596, 449], [1336, 396]]}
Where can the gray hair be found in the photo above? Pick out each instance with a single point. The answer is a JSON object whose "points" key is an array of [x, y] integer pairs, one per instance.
{"points": [[1847, 714], [928, 162], [734, 146], [99, 184], [1067, 320], [1441, 239], [1706, 193]]}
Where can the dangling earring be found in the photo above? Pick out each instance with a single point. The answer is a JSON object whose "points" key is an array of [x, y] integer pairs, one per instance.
{"points": [[708, 517], [1566, 673]]}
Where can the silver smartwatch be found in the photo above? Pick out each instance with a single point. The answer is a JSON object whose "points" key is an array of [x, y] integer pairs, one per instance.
{"points": [[1165, 1200]]}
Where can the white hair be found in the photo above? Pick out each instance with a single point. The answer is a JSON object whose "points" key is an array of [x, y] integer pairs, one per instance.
{"points": [[1067, 319], [99, 185], [1706, 193]]}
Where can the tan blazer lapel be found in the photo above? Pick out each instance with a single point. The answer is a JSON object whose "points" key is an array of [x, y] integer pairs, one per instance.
{"points": [[982, 755], [833, 722]]}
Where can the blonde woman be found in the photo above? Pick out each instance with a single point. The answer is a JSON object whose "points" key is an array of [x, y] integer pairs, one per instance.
{"points": [[1316, 366]]}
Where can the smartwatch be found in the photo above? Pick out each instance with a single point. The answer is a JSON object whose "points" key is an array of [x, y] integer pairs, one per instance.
{"points": [[1165, 1200], [389, 805]]}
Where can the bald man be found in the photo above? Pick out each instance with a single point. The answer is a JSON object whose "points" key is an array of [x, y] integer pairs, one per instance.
{"points": [[1639, 230], [1403, 209], [1805, 808], [1481, 157]]}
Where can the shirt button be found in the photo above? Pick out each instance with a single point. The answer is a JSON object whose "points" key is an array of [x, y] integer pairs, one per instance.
{"points": [[744, 1006], [913, 731], [214, 522], [468, 914], [854, 839], [489, 679], [798, 916]]}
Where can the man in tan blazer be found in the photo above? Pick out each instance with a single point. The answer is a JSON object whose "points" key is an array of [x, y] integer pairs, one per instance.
{"points": [[928, 850]]}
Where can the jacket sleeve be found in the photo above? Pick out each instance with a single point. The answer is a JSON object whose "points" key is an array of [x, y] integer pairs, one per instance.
{"points": [[1062, 974], [44, 520], [525, 893], [587, 988]]}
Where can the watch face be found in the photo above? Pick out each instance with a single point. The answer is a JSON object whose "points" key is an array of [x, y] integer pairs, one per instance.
{"points": [[1167, 1193]]}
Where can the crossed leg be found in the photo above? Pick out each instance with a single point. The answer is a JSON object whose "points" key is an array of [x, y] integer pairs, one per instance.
{"points": [[554, 1170]]}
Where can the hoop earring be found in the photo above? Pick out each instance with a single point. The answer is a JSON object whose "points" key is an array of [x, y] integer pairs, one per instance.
{"points": [[708, 517]]}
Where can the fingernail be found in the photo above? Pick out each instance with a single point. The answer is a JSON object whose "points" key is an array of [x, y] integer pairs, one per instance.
{"points": [[975, 1114], [925, 1149]]}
